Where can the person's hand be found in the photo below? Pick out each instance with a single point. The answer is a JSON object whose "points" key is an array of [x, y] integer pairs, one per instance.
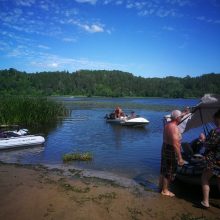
{"points": [[181, 162]]}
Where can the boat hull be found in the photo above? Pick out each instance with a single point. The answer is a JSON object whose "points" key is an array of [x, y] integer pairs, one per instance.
{"points": [[135, 122], [191, 174], [22, 141]]}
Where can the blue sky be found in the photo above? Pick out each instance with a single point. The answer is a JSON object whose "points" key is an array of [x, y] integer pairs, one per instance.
{"points": [[149, 38]]}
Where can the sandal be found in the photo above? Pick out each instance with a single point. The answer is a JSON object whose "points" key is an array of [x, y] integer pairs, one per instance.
{"points": [[169, 194], [203, 205]]}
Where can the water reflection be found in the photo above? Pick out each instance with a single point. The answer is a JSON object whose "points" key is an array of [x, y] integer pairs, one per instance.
{"points": [[17, 155]]}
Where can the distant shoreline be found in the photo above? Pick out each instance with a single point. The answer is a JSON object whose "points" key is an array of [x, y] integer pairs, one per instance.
{"points": [[126, 97], [103, 83]]}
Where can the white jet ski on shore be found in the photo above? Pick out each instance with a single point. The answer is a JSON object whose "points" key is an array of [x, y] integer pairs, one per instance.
{"points": [[19, 138]]}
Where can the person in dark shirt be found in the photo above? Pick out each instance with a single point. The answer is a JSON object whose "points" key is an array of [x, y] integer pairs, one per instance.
{"points": [[197, 145]]}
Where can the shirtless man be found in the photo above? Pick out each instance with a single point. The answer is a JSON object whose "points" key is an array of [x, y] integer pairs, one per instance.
{"points": [[171, 154], [118, 112]]}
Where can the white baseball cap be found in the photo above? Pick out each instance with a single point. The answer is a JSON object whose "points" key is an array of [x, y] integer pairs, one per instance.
{"points": [[175, 114]]}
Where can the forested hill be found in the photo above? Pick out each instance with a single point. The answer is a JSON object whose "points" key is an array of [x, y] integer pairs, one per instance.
{"points": [[105, 83]]}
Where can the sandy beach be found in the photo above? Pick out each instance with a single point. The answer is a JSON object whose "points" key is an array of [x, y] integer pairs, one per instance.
{"points": [[36, 192]]}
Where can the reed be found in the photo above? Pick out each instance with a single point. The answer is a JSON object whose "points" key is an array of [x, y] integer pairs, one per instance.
{"points": [[29, 111], [77, 156]]}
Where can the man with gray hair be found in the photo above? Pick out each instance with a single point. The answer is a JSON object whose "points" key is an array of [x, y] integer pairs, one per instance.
{"points": [[171, 154]]}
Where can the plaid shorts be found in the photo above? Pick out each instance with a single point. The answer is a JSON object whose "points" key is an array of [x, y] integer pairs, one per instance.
{"points": [[168, 161]]}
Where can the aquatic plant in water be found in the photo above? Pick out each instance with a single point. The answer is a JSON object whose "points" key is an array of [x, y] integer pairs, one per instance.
{"points": [[86, 156], [29, 111]]}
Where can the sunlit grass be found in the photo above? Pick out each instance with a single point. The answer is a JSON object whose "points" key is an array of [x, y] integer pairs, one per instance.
{"points": [[29, 111], [86, 156]]}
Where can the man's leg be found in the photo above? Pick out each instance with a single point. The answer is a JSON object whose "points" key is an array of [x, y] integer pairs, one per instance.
{"points": [[165, 187], [206, 175]]}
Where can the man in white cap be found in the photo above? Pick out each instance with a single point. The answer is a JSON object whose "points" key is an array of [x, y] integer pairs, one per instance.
{"points": [[171, 154]]}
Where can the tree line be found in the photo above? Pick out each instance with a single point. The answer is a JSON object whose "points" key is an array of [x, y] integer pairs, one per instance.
{"points": [[105, 83]]}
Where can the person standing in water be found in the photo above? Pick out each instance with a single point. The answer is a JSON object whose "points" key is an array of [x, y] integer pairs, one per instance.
{"points": [[171, 154]]}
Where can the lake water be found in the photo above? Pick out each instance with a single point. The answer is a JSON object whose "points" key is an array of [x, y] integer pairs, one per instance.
{"points": [[125, 151]]}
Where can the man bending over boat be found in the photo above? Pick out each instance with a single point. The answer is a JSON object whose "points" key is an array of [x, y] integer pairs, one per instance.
{"points": [[171, 154]]}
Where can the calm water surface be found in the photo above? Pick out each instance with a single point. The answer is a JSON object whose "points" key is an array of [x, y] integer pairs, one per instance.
{"points": [[129, 152]]}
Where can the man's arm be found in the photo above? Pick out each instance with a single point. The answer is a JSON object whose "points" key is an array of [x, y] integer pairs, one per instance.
{"points": [[175, 138]]}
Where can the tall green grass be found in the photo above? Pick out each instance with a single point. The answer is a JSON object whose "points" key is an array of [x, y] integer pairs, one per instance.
{"points": [[29, 111]]}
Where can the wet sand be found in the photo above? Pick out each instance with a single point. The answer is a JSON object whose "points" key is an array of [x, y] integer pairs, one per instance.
{"points": [[36, 192]]}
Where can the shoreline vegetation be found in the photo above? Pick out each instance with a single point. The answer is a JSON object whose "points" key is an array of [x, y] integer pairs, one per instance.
{"points": [[30, 111], [79, 156], [124, 97], [35, 112], [37, 192], [102, 83]]}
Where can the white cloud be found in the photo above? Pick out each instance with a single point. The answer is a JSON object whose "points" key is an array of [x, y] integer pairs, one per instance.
{"points": [[45, 64], [119, 2], [165, 12], [155, 8], [201, 18], [106, 2], [20, 51], [168, 28], [4, 46], [93, 2], [130, 5], [44, 7], [71, 12], [109, 31], [139, 5], [146, 12], [68, 39], [18, 11], [51, 19], [116, 2], [27, 3], [180, 3], [53, 65], [208, 20], [43, 47], [50, 61], [94, 28]]}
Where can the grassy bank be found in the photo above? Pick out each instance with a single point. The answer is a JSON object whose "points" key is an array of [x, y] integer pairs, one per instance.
{"points": [[29, 111]]}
